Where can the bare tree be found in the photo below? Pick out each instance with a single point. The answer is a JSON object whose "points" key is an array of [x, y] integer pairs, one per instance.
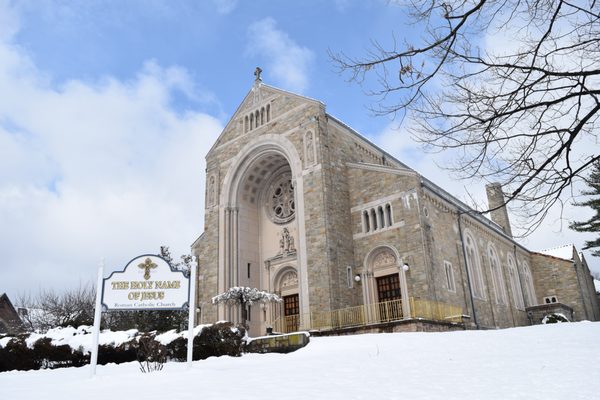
{"points": [[522, 112], [50, 309]]}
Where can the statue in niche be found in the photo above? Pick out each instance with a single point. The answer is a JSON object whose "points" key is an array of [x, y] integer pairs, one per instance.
{"points": [[286, 242], [211, 191]]}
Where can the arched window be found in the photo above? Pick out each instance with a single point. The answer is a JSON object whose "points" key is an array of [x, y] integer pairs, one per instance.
{"points": [[388, 212], [529, 290], [366, 226], [262, 115], [268, 112], [246, 124], [497, 278], [381, 217], [251, 121], [374, 219], [256, 117], [515, 284], [474, 267]]}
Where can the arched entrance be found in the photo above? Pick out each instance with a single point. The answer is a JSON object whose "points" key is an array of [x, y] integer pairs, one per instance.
{"points": [[261, 228], [385, 291]]}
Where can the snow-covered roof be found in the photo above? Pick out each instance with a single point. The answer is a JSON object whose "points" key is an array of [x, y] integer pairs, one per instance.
{"points": [[565, 252], [597, 285]]}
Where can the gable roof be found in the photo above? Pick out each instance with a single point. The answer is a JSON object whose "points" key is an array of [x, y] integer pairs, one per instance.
{"points": [[258, 85], [563, 252]]}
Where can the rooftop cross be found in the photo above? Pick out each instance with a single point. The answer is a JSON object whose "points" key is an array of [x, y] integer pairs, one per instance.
{"points": [[257, 73]]}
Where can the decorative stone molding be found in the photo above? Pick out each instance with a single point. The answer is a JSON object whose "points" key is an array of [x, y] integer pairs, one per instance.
{"points": [[384, 259]]}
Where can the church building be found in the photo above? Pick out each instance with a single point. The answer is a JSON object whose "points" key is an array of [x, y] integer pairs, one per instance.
{"points": [[299, 204]]}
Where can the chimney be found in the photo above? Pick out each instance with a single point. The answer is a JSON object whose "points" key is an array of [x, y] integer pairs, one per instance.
{"points": [[496, 201]]}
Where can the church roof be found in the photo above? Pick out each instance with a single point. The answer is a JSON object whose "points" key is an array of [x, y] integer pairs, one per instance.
{"points": [[564, 252]]}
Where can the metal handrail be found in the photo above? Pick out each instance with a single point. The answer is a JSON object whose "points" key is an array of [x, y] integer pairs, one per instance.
{"points": [[374, 313]]}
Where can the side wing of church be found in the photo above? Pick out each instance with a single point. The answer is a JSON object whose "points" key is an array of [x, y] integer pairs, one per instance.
{"points": [[299, 204]]}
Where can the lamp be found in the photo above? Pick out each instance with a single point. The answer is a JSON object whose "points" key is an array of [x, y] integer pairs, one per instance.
{"points": [[357, 278], [405, 267]]}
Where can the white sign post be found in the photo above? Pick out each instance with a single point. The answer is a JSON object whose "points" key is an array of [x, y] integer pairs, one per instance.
{"points": [[146, 283]]}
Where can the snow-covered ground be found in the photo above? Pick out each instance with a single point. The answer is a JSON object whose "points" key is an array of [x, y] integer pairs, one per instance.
{"points": [[559, 361]]}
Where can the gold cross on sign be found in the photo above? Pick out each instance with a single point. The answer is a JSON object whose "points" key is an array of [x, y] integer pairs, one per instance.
{"points": [[147, 265]]}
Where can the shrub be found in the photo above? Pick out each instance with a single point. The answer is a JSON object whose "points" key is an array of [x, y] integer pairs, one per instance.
{"points": [[214, 340], [554, 319]]}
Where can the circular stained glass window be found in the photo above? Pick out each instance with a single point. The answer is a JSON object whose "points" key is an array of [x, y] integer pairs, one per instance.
{"points": [[281, 207]]}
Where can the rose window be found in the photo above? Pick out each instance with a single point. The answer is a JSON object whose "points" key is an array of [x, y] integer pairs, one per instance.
{"points": [[281, 206]]}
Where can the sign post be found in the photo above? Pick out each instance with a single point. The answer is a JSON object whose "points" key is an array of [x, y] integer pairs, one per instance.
{"points": [[97, 317], [148, 282]]}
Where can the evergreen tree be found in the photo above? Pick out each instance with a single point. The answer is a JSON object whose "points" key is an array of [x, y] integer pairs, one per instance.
{"points": [[592, 224]]}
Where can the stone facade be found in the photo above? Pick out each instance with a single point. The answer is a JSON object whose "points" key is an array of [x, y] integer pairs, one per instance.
{"points": [[299, 204]]}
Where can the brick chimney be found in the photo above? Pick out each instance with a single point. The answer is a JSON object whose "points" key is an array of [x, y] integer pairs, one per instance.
{"points": [[496, 200]]}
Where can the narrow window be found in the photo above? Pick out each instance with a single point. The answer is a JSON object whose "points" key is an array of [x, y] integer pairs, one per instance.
{"points": [[246, 124], [251, 121], [249, 314], [449, 276], [262, 115], [248, 270], [497, 279], [374, 219], [257, 116], [529, 290], [515, 284], [474, 267], [366, 221], [381, 217], [268, 112], [388, 212], [349, 277]]}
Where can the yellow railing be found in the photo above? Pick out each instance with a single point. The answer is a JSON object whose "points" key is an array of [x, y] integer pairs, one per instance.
{"points": [[375, 313], [435, 310]]}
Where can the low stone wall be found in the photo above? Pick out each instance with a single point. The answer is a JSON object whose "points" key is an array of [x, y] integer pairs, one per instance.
{"points": [[406, 325], [537, 313], [278, 343]]}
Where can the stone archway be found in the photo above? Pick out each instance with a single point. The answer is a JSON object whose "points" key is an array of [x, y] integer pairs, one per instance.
{"points": [[384, 281], [261, 223]]}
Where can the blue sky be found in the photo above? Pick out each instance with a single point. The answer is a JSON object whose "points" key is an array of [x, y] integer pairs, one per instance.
{"points": [[107, 109]]}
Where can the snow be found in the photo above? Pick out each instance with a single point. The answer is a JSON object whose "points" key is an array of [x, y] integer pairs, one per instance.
{"points": [[168, 337], [565, 252], [558, 361], [81, 338], [597, 285], [246, 295]]}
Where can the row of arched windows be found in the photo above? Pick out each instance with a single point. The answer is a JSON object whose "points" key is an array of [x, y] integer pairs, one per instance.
{"points": [[499, 286], [377, 218], [257, 118]]}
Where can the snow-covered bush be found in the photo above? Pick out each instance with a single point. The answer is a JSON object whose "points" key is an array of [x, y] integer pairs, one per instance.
{"points": [[554, 318], [245, 296], [70, 347]]}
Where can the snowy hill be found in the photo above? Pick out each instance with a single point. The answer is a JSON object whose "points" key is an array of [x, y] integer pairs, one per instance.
{"points": [[558, 361]]}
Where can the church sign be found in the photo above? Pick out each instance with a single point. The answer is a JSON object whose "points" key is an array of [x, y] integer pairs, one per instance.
{"points": [[147, 283]]}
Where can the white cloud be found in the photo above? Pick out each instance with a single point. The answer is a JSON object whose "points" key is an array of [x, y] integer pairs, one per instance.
{"points": [[225, 6], [108, 169], [288, 62]]}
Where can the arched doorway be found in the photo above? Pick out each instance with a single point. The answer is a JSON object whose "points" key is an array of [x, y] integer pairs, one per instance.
{"points": [[385, 291]]}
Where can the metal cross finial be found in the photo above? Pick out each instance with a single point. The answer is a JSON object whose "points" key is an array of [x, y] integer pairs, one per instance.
{"points": [[147, 265], [257, 73]]}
